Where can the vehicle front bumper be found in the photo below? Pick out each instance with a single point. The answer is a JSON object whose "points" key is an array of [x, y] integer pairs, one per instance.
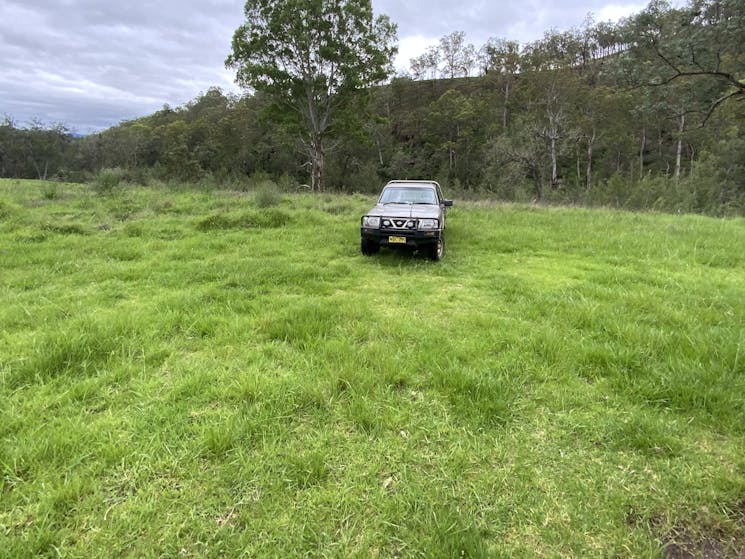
{"points": [[398, 238]]}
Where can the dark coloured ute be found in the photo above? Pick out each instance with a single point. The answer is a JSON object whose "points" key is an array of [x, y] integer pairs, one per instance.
{"points": [[408, 214]]}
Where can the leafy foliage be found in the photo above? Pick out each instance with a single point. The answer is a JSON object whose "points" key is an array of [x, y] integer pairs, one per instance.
{"points": [[310, 56], [108, 179], [643, 113]]}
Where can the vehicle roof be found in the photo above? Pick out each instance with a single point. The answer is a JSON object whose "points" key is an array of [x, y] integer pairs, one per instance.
{"points": [[410, 183]]}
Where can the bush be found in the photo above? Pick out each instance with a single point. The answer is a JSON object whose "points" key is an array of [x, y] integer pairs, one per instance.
{"points": [[267, 195], [286, 183], [717, 183], [364, 178], [107, 180]]}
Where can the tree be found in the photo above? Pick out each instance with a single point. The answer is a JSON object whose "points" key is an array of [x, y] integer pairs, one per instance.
{"points": [[311, 56], [702, 42], [458, 58], [426, 64], [9, 157], [502, 58], [451, 123], [512, 159], [37, 151]]}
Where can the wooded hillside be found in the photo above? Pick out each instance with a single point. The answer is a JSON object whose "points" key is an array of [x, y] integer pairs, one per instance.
{"points": [[645, 113]]}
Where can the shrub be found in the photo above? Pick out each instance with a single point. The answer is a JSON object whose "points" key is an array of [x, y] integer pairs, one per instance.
{"points": [[286, 183], [107, 180], [267, 195]]}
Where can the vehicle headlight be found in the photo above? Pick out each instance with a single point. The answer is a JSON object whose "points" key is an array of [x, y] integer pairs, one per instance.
{"points": [[427, 224], [370, 221]]}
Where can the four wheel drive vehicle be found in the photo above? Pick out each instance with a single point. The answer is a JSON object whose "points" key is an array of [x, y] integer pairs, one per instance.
{"points": [[408, 214]]}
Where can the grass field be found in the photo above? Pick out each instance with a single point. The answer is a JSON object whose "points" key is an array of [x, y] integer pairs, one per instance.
{"points": [[187, 374]]}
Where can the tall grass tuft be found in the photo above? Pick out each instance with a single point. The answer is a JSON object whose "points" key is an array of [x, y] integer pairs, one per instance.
{"points": [[267, 194], [269, 218], [51, 190], [77, 348]]}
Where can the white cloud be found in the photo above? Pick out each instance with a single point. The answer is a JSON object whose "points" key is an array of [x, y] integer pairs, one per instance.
{"points": [[410, 47], [615, 12], [92, 63]]}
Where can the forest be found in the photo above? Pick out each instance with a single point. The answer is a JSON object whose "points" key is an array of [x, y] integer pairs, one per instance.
{"points": [[644, 113]]}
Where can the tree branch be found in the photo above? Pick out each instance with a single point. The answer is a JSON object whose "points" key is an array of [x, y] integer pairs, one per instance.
{"points": [[718, 102]]}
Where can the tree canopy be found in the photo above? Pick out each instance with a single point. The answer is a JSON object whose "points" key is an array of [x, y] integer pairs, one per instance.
{"points": [[646, 112], [311, 56]]}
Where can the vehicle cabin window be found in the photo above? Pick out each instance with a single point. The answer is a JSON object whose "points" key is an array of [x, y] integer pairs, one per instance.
{"points": [[408, 196]]}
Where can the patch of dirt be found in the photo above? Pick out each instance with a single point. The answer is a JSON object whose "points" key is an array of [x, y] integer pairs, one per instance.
{"points": [[709, 542], [684, 547]]}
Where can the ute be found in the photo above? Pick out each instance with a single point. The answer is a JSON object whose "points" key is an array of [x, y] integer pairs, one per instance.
{"points": [[408, 214]]}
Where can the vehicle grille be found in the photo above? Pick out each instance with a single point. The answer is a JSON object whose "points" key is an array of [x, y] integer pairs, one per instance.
{"points": [[397, 223]]}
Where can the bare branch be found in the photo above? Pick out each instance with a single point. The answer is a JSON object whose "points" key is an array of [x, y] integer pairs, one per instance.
{"points": [[718, 102]]}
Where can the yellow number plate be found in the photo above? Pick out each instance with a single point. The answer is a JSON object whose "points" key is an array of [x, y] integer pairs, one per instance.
{"points": [[397, 240]]}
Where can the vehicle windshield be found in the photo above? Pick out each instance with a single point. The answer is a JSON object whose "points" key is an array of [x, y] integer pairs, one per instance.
{"points": [[408, 195]]}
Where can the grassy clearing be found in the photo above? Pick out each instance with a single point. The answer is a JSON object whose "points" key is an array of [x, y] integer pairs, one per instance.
{"points": [[214, 375]]}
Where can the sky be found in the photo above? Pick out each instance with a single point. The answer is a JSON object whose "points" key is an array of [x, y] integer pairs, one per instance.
{"points": [[91, 64]]}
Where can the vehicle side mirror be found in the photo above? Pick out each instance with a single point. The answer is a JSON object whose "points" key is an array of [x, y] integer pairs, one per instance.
{"points": [[447, 203]]}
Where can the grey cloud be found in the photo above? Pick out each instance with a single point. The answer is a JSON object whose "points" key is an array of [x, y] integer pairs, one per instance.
{"points": [[524, 20], [92, 63]]}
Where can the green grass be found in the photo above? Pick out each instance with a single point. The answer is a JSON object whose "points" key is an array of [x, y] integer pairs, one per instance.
{"points": [[188, 374]]}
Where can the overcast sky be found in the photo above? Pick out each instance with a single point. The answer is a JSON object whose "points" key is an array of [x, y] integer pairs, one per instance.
{"points": [[90, 64]]}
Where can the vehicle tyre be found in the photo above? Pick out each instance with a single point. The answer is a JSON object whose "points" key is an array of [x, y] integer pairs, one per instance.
{"points": [[369, 247], [437, 250]]}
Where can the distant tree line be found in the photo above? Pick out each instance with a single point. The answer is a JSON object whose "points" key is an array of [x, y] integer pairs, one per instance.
{"points": [[644, 113], [34, 151]]}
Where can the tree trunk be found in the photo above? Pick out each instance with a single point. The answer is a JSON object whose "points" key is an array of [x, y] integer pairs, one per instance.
{"points": [[679, 151], [554, 165], [590, 142], [691, 153], [538, 182], [316, 160], [553, 133], [642, 147], [505, 109], [37, 169]]}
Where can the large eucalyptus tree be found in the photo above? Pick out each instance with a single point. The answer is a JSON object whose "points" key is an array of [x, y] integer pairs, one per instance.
{"points": [[311, 56]]}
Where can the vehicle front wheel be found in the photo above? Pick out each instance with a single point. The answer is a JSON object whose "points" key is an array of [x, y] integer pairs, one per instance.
{"points": [[437, 250], [369, 247]]}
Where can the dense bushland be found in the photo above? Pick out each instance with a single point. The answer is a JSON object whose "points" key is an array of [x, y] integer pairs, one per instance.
{"points": [[645, 113]]}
